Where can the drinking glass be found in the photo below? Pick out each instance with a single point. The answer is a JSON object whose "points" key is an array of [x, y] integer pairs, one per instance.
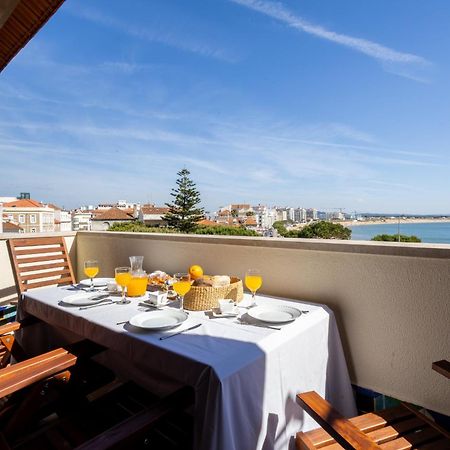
{"points": [[253, 281], [123, 278], [181, 285], [91, 270]]}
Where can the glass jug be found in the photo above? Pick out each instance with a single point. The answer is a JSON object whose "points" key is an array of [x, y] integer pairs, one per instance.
{"points": [[138, 283]]}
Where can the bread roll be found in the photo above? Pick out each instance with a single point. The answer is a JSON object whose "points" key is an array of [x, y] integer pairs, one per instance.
{"points": [[221, 280]]}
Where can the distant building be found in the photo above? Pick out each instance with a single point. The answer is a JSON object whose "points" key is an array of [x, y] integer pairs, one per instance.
{"points": [[311, 214], [208, 223], [264, 216], [152, 215], [63, 219], [31, 215], [300, 215], [102, 221], [239, 207], [81, 220]]}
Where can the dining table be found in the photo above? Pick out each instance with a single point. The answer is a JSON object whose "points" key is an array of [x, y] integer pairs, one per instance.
{"points": [[245, 373]]}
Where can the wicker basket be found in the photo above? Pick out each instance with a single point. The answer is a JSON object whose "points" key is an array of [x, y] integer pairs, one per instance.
{"points": [[202, 298]]}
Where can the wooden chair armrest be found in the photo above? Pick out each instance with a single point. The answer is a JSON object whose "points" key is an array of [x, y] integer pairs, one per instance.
{"points": [[131, 430], [342, 430], [26, 373], [9, 327], [442, 367]]}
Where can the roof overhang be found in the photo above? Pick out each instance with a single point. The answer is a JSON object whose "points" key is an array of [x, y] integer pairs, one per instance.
{"points": [[20, 20]]}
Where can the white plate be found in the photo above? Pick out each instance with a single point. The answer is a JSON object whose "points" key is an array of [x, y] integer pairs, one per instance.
{"points": [[274, 313], [159, 319], [98, 282], [83, 299]]}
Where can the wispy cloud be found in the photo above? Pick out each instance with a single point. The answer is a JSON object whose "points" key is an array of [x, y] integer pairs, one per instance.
{"points": [[153, 34], [377, 51]]}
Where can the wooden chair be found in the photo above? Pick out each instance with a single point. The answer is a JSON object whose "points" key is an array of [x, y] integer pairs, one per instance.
{"points": [[38, 262], [399, 428], [76, 407]]}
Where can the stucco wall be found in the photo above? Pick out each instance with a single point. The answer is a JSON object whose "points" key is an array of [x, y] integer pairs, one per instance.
{"points": [[7, 284], [392, 301]]}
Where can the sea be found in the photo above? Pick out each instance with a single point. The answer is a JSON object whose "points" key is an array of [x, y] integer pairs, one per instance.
{"points": [[435, 232]]}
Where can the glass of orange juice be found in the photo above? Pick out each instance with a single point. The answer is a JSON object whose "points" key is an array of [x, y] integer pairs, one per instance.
{"points": [[253, 281], [91, 270], [123, 278], [138, 284], [181, 285]]}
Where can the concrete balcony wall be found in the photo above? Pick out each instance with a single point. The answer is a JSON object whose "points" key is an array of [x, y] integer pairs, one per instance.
{"points": [[7, 284], [392, 301]]}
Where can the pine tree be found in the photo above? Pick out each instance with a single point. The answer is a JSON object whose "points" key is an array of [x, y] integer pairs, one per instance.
{"points": [[183, 212]]}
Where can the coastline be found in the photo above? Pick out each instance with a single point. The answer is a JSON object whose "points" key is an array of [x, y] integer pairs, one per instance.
{"points": [[403, 221]]}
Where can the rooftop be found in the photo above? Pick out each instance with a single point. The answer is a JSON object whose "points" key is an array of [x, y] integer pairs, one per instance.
{"points": [[24, 203], [113, 214]]}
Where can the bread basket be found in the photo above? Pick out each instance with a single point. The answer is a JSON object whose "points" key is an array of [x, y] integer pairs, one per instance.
{"points": [[202, 298]]}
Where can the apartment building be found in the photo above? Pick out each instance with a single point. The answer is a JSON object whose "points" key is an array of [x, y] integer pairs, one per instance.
{"points": [[63, 219], [81, 220], [30, 215]]}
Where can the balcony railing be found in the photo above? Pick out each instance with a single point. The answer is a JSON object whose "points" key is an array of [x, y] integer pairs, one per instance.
{"points": [[391, 300]]}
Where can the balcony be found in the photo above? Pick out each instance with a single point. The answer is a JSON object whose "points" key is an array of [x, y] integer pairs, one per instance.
{"points": [[391, 300]]}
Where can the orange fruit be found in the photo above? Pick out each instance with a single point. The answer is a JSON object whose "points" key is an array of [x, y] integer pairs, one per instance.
{"points": [[195, 272]]}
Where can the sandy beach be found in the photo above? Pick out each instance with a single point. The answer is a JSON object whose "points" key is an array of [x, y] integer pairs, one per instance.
{"points": [[355, 223]]}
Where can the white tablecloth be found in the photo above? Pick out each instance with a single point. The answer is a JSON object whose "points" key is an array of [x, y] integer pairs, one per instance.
{"points": [[245, 377]]}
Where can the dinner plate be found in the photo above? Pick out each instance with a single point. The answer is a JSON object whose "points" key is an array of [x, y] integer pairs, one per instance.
{"points": [[84, 299], [98, 282], [160, 319], [274, 313]]}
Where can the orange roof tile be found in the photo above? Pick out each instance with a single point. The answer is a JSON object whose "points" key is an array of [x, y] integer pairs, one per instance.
{"points": [[23, 203], [250, 220], [208, 223], [113, 214], [154, 210]]}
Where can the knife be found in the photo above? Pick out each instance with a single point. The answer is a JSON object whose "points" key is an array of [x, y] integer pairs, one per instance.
{"points": [[109, 302], [179, 332]]}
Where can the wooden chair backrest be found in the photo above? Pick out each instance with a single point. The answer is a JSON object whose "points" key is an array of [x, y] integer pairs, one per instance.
{"points": [[38, 262]]}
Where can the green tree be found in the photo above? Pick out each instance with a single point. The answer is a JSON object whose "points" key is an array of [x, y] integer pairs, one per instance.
{"points": [[321, 230], [225, 231], [184, 212], [280, 227], [394, 238]]}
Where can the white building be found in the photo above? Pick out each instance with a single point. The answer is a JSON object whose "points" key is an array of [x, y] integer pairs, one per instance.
{"points": [[311, 214], [300, 215], [63, 219], [81, 220]]}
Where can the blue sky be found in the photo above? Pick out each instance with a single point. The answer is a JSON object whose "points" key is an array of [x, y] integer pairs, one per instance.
{"points": [[326, 104]]}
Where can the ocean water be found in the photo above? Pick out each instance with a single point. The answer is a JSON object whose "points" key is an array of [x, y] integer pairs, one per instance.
{"points": [[436, 232]]}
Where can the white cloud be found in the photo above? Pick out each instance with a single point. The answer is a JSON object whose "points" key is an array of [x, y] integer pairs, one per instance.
{"points": [[367, 47], [153, 34]]}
